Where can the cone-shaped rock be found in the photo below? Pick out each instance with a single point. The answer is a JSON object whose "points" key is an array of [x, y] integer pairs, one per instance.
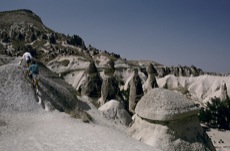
{"points": [[110, 88], [151, 81], [91, 86]]}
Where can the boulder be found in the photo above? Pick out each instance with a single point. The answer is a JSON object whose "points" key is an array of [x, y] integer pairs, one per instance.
{"points": [[113, 109], [167, 120], [165, 105]]}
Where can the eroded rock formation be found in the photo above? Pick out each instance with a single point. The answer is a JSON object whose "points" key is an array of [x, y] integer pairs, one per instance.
{"points": [[151, 81], [224, 91], [167, 120], [110, 88], [135, 90], [90, 83], [114, 110]]}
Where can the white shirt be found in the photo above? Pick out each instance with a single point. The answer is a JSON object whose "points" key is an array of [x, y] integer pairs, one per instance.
{"points": [[26, 56]]}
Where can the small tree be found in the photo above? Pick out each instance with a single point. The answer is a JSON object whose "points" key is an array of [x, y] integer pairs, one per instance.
{"points": [[216, 114]]}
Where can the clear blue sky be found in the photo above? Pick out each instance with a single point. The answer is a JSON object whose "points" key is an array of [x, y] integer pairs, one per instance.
{"points": [[171, 32]]}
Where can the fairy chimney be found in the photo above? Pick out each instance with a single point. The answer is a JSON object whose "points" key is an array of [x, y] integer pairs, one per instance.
{"points": [[110, 88], [135, 90], [151, 81], [167, 120], [223, 91], [90, 84]]}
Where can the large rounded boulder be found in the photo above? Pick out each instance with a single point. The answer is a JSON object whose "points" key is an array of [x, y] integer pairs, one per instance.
{"points": [[167, 120], [114, 110], [164, 105]]}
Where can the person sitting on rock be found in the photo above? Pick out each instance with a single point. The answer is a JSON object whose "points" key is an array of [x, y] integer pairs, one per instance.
{"points": [[25, 62]]}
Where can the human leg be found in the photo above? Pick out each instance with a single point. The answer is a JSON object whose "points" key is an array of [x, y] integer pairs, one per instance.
{"points": [[35, 80]]}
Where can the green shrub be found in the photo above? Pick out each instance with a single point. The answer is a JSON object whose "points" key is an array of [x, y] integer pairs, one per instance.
{"points": [[216, 114]]}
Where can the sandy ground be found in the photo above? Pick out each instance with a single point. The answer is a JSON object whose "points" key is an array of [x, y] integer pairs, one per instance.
{"points": [[220, 139], [56, 131]]}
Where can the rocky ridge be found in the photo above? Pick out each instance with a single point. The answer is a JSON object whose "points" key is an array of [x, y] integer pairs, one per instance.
{"points": [[24, 30]]}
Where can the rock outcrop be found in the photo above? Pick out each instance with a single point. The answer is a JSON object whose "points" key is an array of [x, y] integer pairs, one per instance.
{"points": [[110, 88], [18, 95], [114, 110], [151, 81], [15, 91], [224, 92], [135, 90], [179, 71], [56, 90], [90, 83], [167, 120], [200, 89], [19, 28]]}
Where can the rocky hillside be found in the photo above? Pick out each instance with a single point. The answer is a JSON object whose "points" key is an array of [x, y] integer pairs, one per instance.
{"points": [[23, 30]]}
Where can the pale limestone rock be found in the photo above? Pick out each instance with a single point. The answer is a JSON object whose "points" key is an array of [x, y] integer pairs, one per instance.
{"points": [[223, 91], [113, 109], [90, 83], [151, 81], [135, 90], [168, 121], [110, 88], [165, 105]]}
